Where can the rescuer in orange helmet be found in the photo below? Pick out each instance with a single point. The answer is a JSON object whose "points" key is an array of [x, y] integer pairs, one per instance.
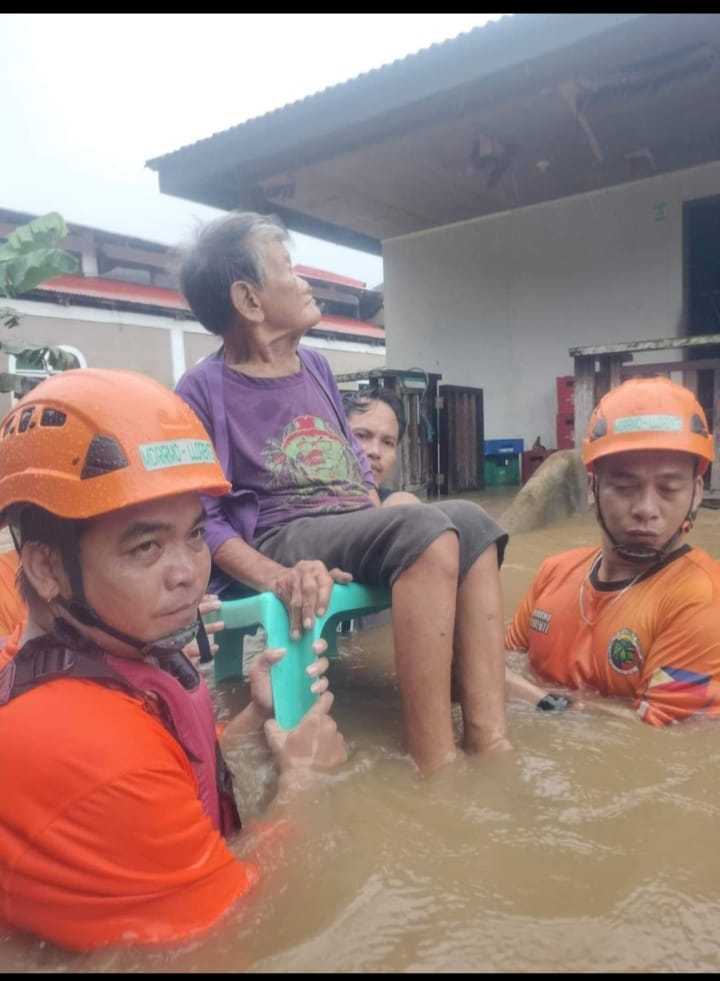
{"points": [[117, 803], [637, 617]]}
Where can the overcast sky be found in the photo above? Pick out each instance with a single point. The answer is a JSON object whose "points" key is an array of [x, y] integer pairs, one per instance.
{"points": [[87, 99]]}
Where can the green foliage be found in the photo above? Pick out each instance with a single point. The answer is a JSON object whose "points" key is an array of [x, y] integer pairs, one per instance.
{"points": [[30, 256]]}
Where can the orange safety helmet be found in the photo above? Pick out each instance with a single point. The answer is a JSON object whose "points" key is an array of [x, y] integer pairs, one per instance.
{"points": [[88, 441], [648, 414]]}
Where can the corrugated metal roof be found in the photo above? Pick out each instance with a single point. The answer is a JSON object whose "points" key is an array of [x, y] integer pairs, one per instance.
{"points": [[386, 69], [385, 153]]}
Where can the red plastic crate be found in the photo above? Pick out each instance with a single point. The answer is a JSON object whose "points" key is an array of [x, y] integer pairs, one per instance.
{"points": [[565, 388], [565, 431], [531, 460]]}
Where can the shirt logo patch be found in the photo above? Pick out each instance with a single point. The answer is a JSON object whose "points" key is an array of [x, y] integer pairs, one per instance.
{"points": [[624, 652], [540, 621]]}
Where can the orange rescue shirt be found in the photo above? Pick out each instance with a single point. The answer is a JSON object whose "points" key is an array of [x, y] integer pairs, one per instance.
{"points": [[657, 642], [12, 605], [103, 838]]}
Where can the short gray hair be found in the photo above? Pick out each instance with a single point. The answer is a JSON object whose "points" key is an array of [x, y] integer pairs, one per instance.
{"points": [[224, 251]]}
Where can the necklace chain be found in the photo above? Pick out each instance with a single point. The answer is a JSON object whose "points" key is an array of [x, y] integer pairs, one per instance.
{"points": [[594, 565]]}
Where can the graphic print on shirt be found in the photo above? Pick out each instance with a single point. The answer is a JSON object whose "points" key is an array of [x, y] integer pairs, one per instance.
{"points": [[624, 652], [679, 693], [681, 680], [311, 458]]}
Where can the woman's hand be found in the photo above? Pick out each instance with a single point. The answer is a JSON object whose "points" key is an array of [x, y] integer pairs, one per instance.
{"points": [[305, 590]]}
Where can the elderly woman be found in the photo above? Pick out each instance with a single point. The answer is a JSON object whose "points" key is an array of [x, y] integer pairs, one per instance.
{"points": [[304, 510]]}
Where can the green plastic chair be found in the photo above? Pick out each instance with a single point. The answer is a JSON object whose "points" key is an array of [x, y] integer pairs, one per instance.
{"points": [[290, 683]]}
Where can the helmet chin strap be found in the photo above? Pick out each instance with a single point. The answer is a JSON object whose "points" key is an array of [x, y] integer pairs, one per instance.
{"points": [[168, 643], [638, 552]]}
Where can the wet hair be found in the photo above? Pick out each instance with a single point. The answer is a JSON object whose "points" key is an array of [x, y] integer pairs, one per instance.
{"points": [[224, 251], [361, 401], [30, 523]]}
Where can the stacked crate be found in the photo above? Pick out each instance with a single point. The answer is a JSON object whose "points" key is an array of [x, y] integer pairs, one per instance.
{"points": [[502, 461], [531, 460], [565, 421]]}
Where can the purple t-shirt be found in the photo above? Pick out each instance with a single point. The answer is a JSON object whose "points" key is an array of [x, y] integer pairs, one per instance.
{"points": [[283, 442]]}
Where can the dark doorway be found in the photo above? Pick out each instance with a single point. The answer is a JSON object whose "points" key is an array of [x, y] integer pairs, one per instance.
{"points": [[701, 224], [702, 269], [462, 440]]}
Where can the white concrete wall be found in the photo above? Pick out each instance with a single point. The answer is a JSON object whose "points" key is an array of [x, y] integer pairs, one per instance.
{"points": [[497, 302]]}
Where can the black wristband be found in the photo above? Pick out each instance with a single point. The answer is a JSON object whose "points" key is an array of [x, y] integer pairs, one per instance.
{"points": [[553, 703]]}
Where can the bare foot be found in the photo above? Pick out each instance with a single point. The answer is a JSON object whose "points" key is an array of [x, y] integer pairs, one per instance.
{"points": [[499, 747], [437, 765], [476, 740]]}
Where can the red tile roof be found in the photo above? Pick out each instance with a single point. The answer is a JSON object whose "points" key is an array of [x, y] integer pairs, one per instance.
{"points": [[113, 289], [310, 272], [162, 298]]}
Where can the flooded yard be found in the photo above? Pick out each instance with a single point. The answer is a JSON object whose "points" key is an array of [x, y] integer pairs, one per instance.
{"points": [[591, 850]]}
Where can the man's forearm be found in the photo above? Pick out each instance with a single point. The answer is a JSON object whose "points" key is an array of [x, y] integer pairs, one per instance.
{"points": [[518, 687], [248, 721], [244, 563]]}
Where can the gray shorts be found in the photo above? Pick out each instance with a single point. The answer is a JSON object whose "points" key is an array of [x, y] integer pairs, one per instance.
{"points": [[377, 544]]}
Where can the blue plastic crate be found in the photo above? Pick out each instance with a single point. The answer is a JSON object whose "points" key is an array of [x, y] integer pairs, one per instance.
{"points": [[504, 447]]}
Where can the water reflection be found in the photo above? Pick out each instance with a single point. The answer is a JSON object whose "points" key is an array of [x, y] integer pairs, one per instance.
{"points": [[593, 850]]}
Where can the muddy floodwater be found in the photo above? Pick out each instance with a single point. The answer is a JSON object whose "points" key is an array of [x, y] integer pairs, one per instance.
{"points": [[593, 849]]}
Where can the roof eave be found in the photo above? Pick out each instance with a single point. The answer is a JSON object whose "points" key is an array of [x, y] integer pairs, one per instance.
{"points": [[301, 130]]}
